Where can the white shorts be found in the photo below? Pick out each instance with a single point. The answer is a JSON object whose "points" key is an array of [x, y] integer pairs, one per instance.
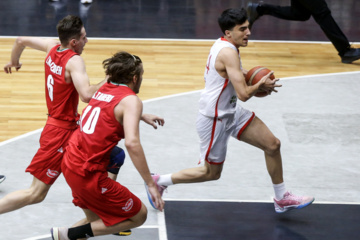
{"points": [[214, 133]]}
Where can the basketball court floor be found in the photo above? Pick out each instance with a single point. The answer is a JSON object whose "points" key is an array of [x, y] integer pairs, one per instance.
{"points": [[316, 118]]}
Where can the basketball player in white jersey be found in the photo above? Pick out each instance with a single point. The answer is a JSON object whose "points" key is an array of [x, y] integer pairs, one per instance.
{"points": [[220, 117]]}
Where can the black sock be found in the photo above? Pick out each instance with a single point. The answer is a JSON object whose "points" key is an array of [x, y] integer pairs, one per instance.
{"points": [[83, 231]]}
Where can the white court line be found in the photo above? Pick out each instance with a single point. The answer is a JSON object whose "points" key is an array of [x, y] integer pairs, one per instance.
{"points": [[249, 201], [186, 93], [20, 137], [49, 235], [191, 40], [320, 75], [39, 237], [171, 96], [162, 225]]}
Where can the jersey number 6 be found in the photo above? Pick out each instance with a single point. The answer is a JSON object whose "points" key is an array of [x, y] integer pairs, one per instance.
{"points": [[50, 86]]}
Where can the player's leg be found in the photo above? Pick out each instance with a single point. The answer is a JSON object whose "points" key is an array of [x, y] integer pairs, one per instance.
{"points": [[21, 198], [117, 158], [100, 229], [322, 15], [259, 135], [97, 227], [45, 168], [208, 172], [91, 217], [214, 135], [295, 12]]}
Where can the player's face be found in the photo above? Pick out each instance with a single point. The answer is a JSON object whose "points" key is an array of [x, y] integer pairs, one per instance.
{"points": [[80, 43], [139, 81], [239, 35]]}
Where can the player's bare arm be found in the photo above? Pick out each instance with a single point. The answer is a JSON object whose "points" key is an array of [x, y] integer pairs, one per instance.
{"points": [[129, 112], [76, 72], [228, 66], [41, 44]]}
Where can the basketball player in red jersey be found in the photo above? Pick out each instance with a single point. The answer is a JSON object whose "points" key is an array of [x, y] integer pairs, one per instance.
{"points": [[113, 114], [65, 80]]}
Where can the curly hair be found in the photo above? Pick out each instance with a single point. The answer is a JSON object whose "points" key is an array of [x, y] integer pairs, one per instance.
{"points": [[122, 67]]}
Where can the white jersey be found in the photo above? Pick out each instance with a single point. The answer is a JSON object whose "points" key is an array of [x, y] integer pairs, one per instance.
{"points": [[218, 99]]}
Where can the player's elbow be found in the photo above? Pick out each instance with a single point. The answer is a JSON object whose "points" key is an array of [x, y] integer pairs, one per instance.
{"points": [[132, 145], [20, 41], [243, 97], [86, 93], [85, 98]]}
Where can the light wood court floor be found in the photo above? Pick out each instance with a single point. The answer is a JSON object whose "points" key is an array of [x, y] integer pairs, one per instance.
{"points": [[171, 67]]}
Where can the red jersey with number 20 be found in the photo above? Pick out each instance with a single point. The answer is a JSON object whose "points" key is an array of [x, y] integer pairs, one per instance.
{"points": [[90, 146], [62, 99]]}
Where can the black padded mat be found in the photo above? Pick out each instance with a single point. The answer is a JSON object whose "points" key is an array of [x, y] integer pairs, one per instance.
{"points": [[243, 220]]}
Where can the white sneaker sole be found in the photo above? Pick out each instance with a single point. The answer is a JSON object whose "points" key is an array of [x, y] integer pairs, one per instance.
{"points": [[55, 233], [288, 208], [149, 197]]}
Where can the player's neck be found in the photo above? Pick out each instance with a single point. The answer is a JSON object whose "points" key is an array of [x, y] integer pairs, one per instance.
{"points": [[119, 84], [62, 48], [230, 41]]}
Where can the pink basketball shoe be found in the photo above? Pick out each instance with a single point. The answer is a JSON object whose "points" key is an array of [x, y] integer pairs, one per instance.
{"points": [[291, 201]]}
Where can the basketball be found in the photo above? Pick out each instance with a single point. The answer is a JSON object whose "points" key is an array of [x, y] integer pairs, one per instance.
{"points": [[254, 75]]}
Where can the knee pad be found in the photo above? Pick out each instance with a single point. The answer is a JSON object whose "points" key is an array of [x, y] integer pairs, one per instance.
{"points": [[117, 158]]}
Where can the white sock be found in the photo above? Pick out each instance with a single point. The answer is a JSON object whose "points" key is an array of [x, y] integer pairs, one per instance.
{"points": [[279, 190], [165, 180]]}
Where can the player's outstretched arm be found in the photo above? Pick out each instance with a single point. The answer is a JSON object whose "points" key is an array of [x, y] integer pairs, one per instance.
{"points": [[41, 44]]}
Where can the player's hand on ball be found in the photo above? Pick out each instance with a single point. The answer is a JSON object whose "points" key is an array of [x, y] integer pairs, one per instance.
{"points": [[270, 84]]}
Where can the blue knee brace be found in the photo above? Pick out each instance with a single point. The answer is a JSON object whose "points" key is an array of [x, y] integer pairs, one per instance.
{"points": [[117, 158]]}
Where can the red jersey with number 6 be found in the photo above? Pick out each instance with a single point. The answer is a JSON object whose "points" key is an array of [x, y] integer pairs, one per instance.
{"points": [[90, 146], [62, 99]]}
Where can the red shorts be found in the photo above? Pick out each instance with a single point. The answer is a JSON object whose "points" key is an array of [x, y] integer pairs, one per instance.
{"points": [[111, 201], [46, 164]]}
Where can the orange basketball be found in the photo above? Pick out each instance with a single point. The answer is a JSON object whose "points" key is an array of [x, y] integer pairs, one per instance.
{"points": [[254, 75]]}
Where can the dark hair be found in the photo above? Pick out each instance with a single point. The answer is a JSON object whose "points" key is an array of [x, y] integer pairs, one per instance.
{"points": [[68, 28], [122, 67], [231, 17]]}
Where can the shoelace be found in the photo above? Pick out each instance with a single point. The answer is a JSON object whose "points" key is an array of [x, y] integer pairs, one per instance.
{"points": [[290, 195]]}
